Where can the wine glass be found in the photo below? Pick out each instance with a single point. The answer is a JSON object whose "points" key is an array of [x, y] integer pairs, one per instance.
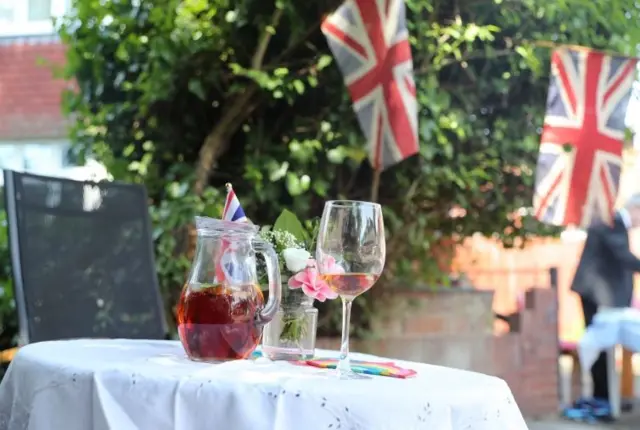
{"points": [[350, 256]]}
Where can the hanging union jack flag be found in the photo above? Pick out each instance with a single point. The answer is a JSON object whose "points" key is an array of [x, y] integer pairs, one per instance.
{"points": [[369, 40], [581, 146]]}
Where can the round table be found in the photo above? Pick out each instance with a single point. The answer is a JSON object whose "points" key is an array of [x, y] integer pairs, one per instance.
{"points": [[133, 384]]}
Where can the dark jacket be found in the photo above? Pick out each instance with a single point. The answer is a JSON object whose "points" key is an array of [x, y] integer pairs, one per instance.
{"points": [[605, 271]]}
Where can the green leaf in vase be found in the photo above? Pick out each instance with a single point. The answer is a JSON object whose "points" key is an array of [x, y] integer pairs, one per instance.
{"points": [[294, 327], [288, 221]]}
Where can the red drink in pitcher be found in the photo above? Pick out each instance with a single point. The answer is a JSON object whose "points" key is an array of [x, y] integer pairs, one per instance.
{"points": [[218, 322]]}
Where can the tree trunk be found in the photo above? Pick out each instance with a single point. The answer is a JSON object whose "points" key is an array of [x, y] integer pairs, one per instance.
{"points": [[217, 141]]}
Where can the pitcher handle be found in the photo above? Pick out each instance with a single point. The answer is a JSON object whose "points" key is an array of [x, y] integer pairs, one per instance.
{"points": [[275, 283]]}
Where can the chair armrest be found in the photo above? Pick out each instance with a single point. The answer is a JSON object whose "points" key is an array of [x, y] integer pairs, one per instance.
{"points": [[7, 355]]}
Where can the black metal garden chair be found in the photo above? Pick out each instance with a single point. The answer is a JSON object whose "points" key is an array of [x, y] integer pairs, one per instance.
{"points": [[82, 260]]}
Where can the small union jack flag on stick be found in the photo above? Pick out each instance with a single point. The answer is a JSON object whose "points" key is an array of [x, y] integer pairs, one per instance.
{"points": [[369, 40], [232, 212], [581, 145]]}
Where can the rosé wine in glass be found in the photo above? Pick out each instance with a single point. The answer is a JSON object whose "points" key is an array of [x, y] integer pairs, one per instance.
{"points": [[350, 285], [350, 255]]}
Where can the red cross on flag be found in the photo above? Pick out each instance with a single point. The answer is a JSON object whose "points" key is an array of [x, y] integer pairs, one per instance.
{"points": [[369, 40], [581, 146]]}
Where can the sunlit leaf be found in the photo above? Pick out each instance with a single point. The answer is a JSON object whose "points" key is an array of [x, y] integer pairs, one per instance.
{"points": [[289, 222]]}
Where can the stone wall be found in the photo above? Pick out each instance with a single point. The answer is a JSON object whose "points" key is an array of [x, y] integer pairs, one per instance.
{"points": [[455, 328]]}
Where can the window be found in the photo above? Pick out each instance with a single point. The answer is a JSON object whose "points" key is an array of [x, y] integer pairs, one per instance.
{"points": [[29, 17], [45, 158], [49, 158]]}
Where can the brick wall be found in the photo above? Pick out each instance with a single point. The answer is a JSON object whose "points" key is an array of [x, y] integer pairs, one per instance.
{"points": [[507, 272], [490, 266], [29, 95], [534, 378], [455, 328]]}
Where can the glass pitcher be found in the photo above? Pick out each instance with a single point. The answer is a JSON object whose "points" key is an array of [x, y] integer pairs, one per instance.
{"points": [[221, 311]]}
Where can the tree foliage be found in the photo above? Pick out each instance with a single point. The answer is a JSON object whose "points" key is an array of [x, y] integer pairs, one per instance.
{"points": [[185, 95], [8, 320]]}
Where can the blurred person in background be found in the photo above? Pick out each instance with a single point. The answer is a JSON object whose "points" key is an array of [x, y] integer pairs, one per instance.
{"points": [[604, 278]]}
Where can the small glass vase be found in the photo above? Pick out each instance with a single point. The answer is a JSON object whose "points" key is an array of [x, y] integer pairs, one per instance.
{"points": [[291, 334]]}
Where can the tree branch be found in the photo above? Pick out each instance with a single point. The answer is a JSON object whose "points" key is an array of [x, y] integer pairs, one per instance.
{"points": [[217, 141], [292, 47], [267, 34]]}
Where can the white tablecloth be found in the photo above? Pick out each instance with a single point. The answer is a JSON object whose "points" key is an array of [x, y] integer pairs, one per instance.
{"points": [[126, 384]]}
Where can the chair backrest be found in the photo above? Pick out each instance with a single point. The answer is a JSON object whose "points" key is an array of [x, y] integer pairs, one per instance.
{"points": [[82, 259]]}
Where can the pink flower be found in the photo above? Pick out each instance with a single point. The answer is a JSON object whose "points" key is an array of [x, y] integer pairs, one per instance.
{"points": [[330, 266], [311, 283]]}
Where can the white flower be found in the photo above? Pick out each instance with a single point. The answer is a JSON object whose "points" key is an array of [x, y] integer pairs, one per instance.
{"points": [[285, 239], [280, 239], [296, 259]]}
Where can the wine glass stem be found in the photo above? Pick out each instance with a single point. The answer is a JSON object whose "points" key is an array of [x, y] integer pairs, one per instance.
{"points": [[344, 366]]}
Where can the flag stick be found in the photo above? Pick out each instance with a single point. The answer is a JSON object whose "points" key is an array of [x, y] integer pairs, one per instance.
{"points": [[375, 185]]}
